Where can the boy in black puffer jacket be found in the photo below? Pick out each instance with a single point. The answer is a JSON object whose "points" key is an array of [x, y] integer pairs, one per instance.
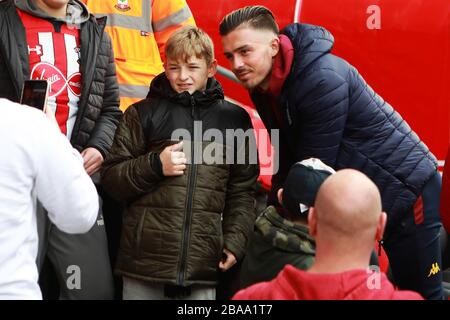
{"points": [[189, 204]]}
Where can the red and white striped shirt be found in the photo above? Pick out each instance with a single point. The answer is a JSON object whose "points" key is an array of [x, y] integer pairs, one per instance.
{"points": [[54, 56]]}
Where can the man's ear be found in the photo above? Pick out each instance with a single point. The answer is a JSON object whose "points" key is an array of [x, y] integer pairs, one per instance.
{"points": [[275, 46], [212, 69], [381, 225], [280, 196], [312, 222]]}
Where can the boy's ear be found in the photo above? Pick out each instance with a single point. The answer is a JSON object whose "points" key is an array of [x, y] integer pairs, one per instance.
{"points": [[212, 69]]}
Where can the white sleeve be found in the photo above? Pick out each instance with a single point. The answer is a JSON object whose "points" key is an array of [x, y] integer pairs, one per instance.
{"points": [[62, 185]]}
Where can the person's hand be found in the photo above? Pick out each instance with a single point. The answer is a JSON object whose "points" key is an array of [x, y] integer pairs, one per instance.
{"points": [[173, 160], [228, 260], [93, 160]]}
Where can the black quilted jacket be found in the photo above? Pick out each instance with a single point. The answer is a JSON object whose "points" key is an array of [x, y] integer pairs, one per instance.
{"points": [[175, 228]]}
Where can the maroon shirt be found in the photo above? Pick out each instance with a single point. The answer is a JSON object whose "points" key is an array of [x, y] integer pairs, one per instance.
{"points": [[280, 71]]}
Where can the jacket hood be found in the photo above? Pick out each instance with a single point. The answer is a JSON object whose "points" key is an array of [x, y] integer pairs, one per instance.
{"points": [[77, 12], [310, 43], [160, 88], [353, 284]]}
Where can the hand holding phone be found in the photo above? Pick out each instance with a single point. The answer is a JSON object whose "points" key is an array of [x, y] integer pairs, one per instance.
{"points": [[34, 94]]}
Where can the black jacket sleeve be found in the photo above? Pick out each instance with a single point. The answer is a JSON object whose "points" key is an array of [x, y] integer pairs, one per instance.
{"points": [[128, 171], [103, 133]]}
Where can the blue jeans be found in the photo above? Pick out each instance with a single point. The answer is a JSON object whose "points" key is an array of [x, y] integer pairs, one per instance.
{"points": [[413, 247]]}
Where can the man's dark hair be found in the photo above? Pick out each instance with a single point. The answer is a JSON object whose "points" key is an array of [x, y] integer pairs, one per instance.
{"points": [[256, 17]]}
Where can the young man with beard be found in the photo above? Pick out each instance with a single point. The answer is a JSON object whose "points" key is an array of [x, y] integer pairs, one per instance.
{"points": [[324, 109]]}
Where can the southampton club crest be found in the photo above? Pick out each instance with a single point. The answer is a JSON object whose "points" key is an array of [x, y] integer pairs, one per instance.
{"points": [[122, 5]]}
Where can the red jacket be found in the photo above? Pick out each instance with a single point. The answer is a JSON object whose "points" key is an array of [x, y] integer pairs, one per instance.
{"points": [[294, 284]]}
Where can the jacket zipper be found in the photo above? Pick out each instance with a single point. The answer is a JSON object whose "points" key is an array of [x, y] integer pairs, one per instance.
{"points": [[188, 215]]}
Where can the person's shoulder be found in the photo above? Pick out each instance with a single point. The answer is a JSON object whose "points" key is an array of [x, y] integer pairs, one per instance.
{"points": [[5, 4], [135, 111], [98, 23], [19, 120], [328, 68], [406, 295], [149, 104], [142, 103], [233, 109], [13, 109], [144, 109], [258, 291]]}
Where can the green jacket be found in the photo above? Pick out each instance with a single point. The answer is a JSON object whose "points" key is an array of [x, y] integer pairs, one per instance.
{"points": [[274, 243], [175, 228]]}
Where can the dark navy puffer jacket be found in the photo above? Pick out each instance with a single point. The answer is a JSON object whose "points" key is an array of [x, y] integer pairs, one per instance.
{"points": [[329, 112]]}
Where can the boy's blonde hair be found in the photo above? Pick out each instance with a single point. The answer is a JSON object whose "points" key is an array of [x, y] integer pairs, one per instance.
{"points": [[190, 41]]}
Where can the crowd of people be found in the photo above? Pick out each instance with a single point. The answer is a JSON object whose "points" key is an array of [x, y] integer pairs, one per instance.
{"points": [[135, 116]]}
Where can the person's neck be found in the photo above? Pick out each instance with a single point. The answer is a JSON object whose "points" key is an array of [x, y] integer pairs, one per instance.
{"points": [[54, 12], [339, 262], [300, 220], [264, 85]]}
